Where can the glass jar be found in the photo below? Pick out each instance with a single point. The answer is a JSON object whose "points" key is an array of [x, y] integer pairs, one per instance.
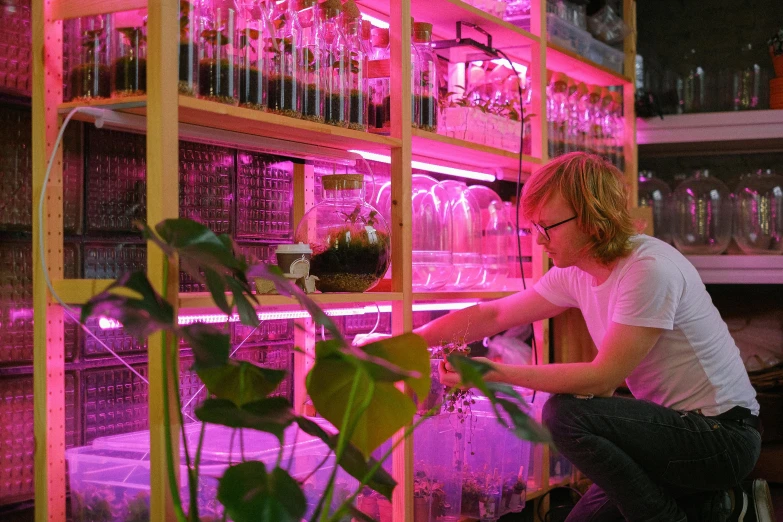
{"points": [[349, 238], [465, 236], [656, 194], [424, 90], [335, 75], [285, 77], [702, 215], [379, 116], [129, 70], [432, 261], [218, 74], [312, 62], [190, 25], [254, 31], [759, 213], [90, 58], [356, 76], [494, 241]]}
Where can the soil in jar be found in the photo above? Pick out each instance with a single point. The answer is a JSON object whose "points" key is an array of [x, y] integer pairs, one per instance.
{"points": [[311, 103], [357, 119], [187, 77], [130, 76], [251, 83], [426, 115], [350, 262], [284, 93], [333, 109], [214, 80], [90, 80]]}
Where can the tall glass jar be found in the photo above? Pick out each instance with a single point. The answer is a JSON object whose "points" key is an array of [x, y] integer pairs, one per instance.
{"points": [[424, 90], [285, 78], [356, 78], [130, 48], [656, 194], [759, 213], [349, 238], [432, 261], [576, 133], [379, 116], [254, 31], [312, 61], [190, 25], [218, 74], [702, 215], [465, 236], [336, 73], [90, 57]]}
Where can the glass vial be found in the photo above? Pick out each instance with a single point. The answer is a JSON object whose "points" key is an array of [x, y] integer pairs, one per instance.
{"points": [[129, 70]]}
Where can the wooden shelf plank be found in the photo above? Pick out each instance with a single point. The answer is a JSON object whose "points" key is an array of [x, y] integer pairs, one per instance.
{"points": [[79, 291], [66, 9], [461, 295], [580, 68], [739, 269]]}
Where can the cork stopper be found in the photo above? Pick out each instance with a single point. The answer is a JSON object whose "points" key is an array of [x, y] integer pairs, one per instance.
{"points": [[422, 32], [351, 10], [380, 37], [330, 9], [366, 29], [343, 181]]}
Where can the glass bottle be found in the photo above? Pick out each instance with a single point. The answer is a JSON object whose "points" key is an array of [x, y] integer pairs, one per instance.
{"points": [[255, 30], [618, 134], [575, 140], [285, 77], [335, 75], [379, 116], [349, 238], [759, 213], [90, 58], [558, 122], [465, 236], [190, 25], [656, 194], [218, 74], [591, 120], [425, 79], [607, 126], [356, 77], [312, 62], [702, 215], [130, 44]]}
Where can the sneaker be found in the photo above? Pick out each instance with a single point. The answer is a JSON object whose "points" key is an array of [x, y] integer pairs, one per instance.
{"points": [[752, 502]]}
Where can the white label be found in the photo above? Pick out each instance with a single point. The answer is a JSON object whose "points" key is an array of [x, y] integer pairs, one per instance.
{"points": [[300, 268]]}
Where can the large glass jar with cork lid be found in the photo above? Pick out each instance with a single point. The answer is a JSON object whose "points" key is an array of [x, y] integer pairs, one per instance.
{"points": [[349, 238]]}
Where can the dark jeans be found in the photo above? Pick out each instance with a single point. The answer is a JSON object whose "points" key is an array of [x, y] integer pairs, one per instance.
{"points": [[647, 461]]}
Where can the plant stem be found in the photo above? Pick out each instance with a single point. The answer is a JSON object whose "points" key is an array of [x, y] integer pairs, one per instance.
{"points": [[315, 469]]}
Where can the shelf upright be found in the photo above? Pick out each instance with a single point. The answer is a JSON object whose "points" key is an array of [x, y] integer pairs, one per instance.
{"points": [[630, 151], [48, 351]]}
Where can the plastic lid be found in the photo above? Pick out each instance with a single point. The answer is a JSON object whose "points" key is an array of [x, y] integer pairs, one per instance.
{"points": [[296, 248], [343, 181], [380, 37]]}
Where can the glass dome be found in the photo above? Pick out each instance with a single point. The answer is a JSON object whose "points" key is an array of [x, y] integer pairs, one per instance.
{"points": [[759, 213], [432, 256], [656, 194], [494, 236], [349, 238], [702, 215], [465, 236]]}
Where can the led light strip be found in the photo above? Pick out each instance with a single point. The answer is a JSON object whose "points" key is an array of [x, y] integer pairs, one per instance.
{"points": [[429, 167]]}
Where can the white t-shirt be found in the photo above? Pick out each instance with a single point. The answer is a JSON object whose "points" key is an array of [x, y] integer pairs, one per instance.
{"points": [[695, 365]]}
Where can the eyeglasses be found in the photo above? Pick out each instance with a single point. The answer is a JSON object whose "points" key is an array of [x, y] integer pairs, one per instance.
{"points": [[544, 231]]}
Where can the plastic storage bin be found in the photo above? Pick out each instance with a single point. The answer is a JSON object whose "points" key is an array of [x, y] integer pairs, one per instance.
{"points": [[606, 55], [562, 33]]}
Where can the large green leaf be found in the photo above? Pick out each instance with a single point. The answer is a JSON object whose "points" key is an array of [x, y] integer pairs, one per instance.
{"points": [[408, 352], [210, 346], [525, 427], [250, 494], [132, 302], [272, 415], [329, 385], [240, 381]]}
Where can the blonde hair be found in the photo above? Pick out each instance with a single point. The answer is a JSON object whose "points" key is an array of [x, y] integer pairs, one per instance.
{"points": [[597, 193]]}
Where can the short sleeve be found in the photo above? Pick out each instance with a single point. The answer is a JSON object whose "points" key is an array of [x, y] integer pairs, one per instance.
{"points": [[555, 286], [649, 293]]}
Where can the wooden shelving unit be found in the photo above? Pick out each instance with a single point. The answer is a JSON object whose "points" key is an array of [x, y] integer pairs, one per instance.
{"points": [[162, 115], [739, 269]]}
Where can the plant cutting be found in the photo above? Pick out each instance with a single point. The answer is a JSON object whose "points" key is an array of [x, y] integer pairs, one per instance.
{"points": [[356, 389]]}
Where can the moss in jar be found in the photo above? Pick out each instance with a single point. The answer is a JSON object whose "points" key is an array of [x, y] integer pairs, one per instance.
{"points": [[187, 77], [351, 261], [333, 109], [426, 113], [130, 76], [284, 92], [90, 80], [215, 80], [380, 115], [251, 82], [357, 110], [311, 103]]}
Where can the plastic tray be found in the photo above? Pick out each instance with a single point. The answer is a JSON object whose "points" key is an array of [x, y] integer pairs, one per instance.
{"points": [[606, 55]]}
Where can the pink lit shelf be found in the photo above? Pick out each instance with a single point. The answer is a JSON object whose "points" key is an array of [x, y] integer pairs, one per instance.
{"points": [[213, 115], [739, 269], [580, 68], [459, 295]]}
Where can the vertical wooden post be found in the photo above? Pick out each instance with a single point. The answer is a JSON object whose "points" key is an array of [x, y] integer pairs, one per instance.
{"points": [[402, 311], [630, 152], [162, 203], [48, 351], [304, 334]]}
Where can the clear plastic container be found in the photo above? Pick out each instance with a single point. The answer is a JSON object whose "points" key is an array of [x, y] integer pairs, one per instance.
{"points": [[313, 61], [90, 57], [432, 254], [656, 194], [465, 236], [759, 213], [349, 238], [424, 89], [606, 55], [129, 70], [253, 36], [218, 73], [438, 451], [494, 236], [567, 35], [285, 74], [702, 215]]}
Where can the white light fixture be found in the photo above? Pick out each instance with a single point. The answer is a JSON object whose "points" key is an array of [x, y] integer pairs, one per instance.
{"points": [[430, 167]]}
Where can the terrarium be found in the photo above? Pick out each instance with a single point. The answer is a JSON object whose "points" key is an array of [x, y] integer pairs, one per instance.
{"points": [[656, 194], [494, 236], [90, 57], [337, 56], [130, 44], [759, 213], [285, 81], [702, 213], [255, 30], [424, 90], [356, 75], [218, 77], [349, 238], [465, 236], [190, 23], [312, 61]]}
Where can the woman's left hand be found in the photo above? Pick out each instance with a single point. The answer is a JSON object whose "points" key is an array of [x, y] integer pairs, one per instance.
{"points": [[449, 377]]}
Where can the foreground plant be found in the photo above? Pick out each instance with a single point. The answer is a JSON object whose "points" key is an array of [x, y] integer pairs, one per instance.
{"points": [[356, 389]]}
